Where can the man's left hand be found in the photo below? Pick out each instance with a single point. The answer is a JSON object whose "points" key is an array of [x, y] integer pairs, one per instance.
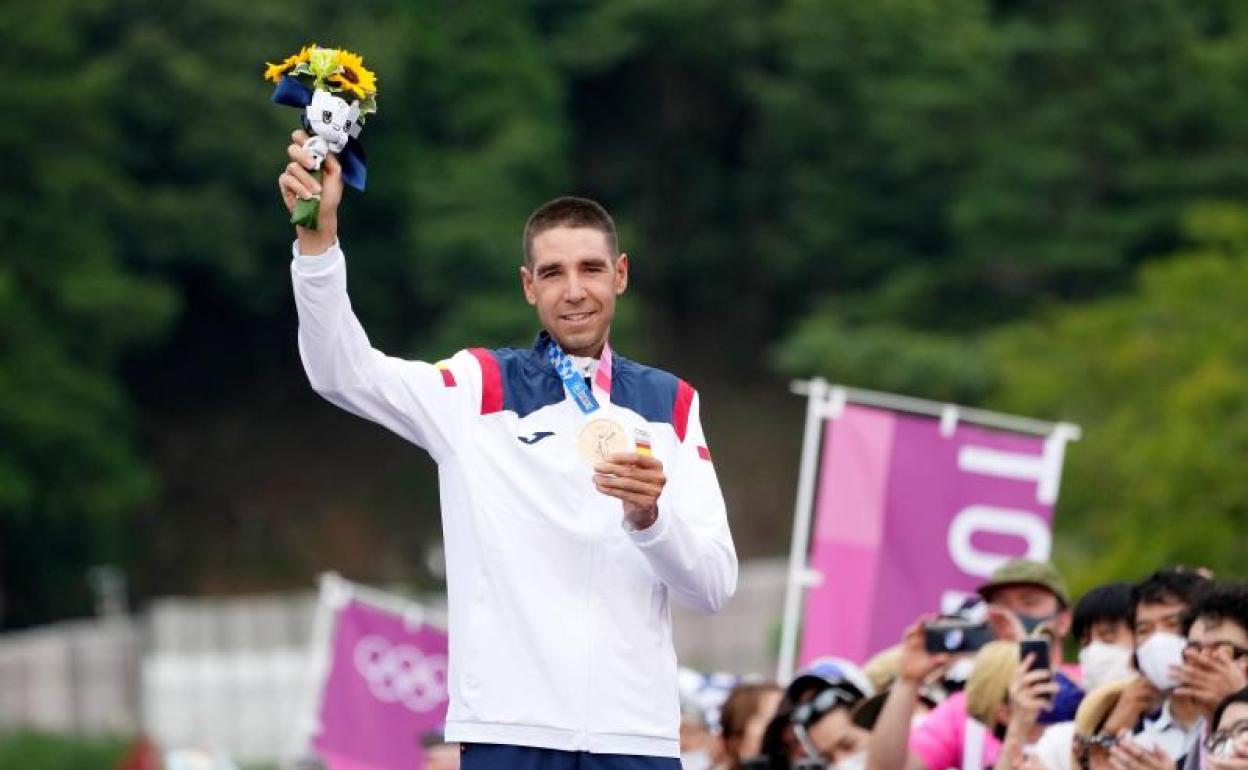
{"points": [[635, 479]]}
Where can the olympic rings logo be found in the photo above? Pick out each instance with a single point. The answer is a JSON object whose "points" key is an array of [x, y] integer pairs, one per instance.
{"points": [[401, 673]]}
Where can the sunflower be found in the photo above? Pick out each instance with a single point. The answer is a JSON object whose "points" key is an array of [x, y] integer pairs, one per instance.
{"points": [[354, 78], [274, 72]]}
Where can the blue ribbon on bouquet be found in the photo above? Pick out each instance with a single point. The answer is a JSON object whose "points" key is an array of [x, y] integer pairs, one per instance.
{"points": [[291, 93]]}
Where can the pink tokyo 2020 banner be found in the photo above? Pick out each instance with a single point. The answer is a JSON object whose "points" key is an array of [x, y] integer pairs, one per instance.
{"points": [[910, 518], [385, 691]]}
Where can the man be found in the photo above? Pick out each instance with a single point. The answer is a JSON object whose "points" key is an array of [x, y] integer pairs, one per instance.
{"points": [[1215, 660], [1214, 666], [568, 522], [1026, 597], [1149, 707]]}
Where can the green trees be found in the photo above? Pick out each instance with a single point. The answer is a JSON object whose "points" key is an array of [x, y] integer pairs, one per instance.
{"points": [[1158, 377], [875, 192]]}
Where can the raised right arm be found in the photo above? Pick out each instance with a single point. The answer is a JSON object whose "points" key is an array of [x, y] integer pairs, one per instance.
{"points": [[427, 404]]}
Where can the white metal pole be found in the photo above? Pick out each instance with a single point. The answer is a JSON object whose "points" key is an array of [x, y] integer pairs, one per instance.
{"points": [[816, 392], [334, 594]]}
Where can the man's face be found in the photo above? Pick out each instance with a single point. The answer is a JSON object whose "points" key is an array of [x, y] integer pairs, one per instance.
{"points": [[1220, 637], [573, 283], [1151, 618], [1034, 602]]}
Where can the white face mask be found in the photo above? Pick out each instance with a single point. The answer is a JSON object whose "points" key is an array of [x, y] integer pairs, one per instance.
{"points": [[856, 762], [1155, 657], [1103, 663]]}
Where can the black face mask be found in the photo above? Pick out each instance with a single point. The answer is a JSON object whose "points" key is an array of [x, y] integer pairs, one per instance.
{"points": [[1031, 622]]}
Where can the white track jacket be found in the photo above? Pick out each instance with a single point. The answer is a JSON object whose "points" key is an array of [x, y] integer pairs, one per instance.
{"points": [[560, 625]]}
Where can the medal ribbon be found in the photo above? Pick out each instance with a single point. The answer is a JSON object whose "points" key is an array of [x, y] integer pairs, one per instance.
{"points": [[578, 388]]}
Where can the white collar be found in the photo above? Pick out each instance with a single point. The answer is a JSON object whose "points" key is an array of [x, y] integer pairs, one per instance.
{"points": [[585, 365]]}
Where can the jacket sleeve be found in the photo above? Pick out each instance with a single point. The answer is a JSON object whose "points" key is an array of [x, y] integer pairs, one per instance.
{"points": [[689, 546], [427, 404]]}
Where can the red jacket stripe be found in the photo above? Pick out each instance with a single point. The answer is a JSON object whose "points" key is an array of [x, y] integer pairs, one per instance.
{"points": [[491, 381], [680, 410]]}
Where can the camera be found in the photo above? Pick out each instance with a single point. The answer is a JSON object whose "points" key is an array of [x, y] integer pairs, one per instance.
{"points": [[953, 634]]}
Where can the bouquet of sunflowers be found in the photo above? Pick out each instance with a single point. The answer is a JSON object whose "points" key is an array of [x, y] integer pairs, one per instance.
{"points": [[336, 93]]}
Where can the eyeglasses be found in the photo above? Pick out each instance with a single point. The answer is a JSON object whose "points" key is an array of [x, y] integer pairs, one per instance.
{"points": [[827, 700], [1226, 648], [1222, 742]]}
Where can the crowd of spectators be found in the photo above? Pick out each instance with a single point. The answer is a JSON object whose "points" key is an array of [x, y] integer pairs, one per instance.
{"points": [[1144, 676]]}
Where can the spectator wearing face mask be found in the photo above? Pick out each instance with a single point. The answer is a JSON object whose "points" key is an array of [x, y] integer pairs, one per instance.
{"points": [[1028, 599], [1149, 709], [1102, 624], [743, 718], [1214, 661], [1226, 747], [1025, 597]]}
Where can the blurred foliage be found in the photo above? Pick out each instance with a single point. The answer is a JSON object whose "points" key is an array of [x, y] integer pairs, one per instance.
{"points": [[38, 751], [861, 190], [1158, 378]]}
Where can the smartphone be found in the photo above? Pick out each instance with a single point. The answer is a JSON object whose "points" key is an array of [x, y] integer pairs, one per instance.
{"points": [[1039, 649]]}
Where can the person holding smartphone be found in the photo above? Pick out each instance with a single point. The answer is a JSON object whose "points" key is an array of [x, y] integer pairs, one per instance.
{"points": [[1032, 690]]}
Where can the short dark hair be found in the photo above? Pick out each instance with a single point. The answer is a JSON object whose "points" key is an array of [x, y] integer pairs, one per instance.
{"points": [[1218, 601], [1227, 702], [1168, 585], [568, 211], [1110, 603]]}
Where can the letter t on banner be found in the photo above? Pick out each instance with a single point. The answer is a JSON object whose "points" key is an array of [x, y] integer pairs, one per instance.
{"points": [[915, 504]]}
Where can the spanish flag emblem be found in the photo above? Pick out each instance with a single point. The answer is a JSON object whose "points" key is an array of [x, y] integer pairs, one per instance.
{"points": [[642, 439]]}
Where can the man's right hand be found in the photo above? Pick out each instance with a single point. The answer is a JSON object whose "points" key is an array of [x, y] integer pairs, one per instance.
{"points": [[917, 664], [296, 182]]}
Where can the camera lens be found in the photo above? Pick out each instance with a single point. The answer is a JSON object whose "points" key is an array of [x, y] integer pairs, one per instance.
{"points": [[953, 639]]}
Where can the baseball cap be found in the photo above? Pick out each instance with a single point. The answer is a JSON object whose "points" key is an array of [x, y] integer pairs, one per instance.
{"points": [[829, 671], [1026, 572]]}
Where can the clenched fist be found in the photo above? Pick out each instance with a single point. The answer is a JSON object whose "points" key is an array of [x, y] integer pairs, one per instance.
{"points": [[296, 182]]}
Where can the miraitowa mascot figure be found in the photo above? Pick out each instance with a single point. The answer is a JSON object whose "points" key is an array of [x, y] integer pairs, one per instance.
{"points": [[332, 123], [336, 94]]}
